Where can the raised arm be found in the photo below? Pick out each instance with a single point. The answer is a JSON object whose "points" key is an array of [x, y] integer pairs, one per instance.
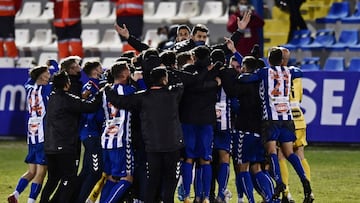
{"points": [[124, 32]]}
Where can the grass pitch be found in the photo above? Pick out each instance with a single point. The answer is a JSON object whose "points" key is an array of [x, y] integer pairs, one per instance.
{"points": [[335, 174]]}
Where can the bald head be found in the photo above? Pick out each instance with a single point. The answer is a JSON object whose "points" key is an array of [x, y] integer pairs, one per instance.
{"points": [[286, 56]]}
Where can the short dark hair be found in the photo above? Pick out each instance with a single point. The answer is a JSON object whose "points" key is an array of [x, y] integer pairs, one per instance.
{"points": [[250, 63], [118, 68], [168, 58], [60, 79], [217, 55], [90, 66], [157, 75], [199, 27], [67, 62], [150, 52], [182, 58], [275, 56], [129, 54], [182, 27], [37, 71]]}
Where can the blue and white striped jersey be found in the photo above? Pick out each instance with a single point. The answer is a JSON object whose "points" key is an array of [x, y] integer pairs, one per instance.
{"points": [[117, 121], [36, 97]]}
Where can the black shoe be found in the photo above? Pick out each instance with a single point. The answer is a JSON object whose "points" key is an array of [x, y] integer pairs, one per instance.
{"points": [[278, 189], [309, 196], [287, 198]]}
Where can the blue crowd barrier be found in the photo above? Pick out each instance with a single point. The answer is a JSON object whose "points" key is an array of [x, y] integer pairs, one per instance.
{"points": [[331, 103]]}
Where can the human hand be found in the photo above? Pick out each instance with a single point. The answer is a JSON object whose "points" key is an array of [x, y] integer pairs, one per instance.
{"points": [[230, 44], [244, 21], [123, 31]]}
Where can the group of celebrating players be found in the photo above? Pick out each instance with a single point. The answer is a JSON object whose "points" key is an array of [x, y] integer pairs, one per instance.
{"points": [[152, 117]]}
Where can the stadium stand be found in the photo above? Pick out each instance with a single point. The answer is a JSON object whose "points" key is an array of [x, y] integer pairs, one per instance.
{"points": [[45, 56], [324, 37], [41, 37], [30, 10], [46, 16], [151, 38], [22, 37], [334, 64], [108, 62], [25, 62], [300, 38], [222, 19], [149, 8], [7, 62], [110, 41], [337, 11], [310, 64], [354, 18], [354, 64], [211, 10], [160, 15], [99, 10], [90, 38], [347, 38], [188, 9]]}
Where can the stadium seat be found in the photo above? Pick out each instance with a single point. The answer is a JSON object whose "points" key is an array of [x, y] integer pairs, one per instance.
{"points": [[45, 56], [222, 19], [211, 10], [300, 38], [7, 62], [108, 62], [110, 41], [84, 8], [99, 9], [347, 38], [334, 64], [292, 62], [354, 18], [41, 38], [151, 38], [90, 38], [52, 46], [188, 9], [149, 8], [29, 10], [25, 62], [354, 64], [22, 37], [338, 10], [87, 59], [161, 15], [324, 37], [111, 19], [46, 16], [310, 64]]}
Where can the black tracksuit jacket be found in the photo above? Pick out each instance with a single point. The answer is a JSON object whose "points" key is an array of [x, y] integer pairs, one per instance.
{"points": [[62, 121], [159, 115]]}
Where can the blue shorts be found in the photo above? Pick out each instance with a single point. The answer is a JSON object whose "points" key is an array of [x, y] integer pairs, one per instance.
{"points": [[281, 131], [36, 154], [198, 141], [247, 147], [222, 140], [118, 162]]}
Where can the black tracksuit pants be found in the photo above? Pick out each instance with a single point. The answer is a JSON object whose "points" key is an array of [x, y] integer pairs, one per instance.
{"points": [[61, 168], [162, 174]]}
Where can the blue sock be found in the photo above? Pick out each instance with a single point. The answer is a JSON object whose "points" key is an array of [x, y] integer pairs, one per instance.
{"points": [[295, 162], [264, 185], [247, 185], [118, 191], [187, 177], [35, 190], [256, 184], [106, 190], [222, 179], [268, 177], [206, 179], [21, 185], [198, 182], [239, 189], [275, 168]]}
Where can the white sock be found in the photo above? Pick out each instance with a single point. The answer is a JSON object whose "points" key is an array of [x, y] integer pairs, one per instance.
{"points": [[16, 194], [30, 200]]}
